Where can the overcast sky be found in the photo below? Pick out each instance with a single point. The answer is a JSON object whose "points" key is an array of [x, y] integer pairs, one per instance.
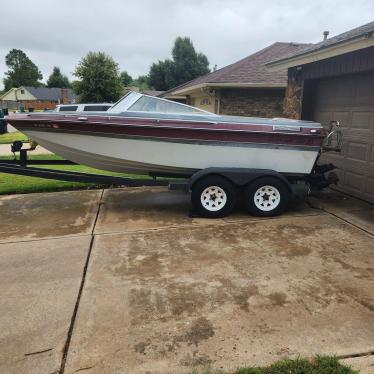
{"points": [[138, 32]]}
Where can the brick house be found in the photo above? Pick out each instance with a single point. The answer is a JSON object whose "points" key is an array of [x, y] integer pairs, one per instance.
{"points": [[334, 80], [38, 98], [245, 88]]}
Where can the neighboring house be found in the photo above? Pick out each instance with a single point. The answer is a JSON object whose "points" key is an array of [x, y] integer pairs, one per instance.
{"points": [[334, 80], [244, 88], [178, 99], [152, 92], [38, 98], [138, 89]]}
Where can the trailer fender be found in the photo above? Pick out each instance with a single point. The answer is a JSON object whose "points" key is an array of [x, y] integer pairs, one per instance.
{"points": [[239, 176]]}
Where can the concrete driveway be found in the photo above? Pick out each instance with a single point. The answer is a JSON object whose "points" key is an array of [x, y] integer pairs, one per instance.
{"points": [[124, 281]]}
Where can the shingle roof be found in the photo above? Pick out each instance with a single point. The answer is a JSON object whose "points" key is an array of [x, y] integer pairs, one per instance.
{"points": [[249, 70], [152, 92], [50, 94], [365, 30]]}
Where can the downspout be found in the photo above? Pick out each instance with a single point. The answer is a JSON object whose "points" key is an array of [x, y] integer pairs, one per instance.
{"points": [[218, 101]]}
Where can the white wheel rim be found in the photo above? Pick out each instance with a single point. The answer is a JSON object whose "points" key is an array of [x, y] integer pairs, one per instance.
{"points": [[213, 198], [267, 198]]}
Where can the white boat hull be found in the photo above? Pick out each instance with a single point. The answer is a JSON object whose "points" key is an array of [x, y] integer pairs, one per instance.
{"points": [[136, 155]]}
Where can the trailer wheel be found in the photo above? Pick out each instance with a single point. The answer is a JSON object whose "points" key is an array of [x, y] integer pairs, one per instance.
{"points": [[213, 197], [266, 197]]}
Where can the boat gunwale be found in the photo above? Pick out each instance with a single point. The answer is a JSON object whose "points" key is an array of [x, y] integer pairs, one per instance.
{"points": [[295, 123], [320, 134]]}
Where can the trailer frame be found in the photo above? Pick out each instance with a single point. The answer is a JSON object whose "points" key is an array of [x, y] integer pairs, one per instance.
{"points": [[234, 180], [21, 167]]}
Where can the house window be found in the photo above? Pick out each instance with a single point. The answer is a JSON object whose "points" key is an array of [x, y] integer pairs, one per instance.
{"points": [[22, 92], [205, 101]]}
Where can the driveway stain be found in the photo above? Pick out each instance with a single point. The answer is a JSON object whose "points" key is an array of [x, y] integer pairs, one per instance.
{"points": [[201, 329], [216, 295], [278, 298], [195, 360], [141, 347], [48, 215]]}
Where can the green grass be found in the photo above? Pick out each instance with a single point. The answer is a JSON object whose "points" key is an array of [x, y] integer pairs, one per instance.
{"points": [[11, 184], [11, 137], [315, 365]]}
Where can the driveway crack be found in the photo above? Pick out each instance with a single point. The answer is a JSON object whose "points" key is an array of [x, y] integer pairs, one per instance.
{"points": [[76, 307], [356, 354], [85, 368], [338, 217], [38, 352]]}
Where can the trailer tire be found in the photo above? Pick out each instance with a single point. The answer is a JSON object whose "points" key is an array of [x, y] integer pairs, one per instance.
{"points": [[213, 196], [266, 197]]}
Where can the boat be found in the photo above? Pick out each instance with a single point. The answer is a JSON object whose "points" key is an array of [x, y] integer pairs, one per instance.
{"points": [[149, 135]]}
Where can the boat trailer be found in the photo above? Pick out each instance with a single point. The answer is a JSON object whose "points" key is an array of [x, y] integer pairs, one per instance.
{"points": [[21, 166], [214, 191]]}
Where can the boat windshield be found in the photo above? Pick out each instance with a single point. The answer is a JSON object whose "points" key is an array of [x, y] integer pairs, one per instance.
{"points": [[136, 102]]}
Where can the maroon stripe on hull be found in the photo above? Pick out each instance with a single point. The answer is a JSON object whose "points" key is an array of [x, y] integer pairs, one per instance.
{"points": [[118, 120], [263, 134]]}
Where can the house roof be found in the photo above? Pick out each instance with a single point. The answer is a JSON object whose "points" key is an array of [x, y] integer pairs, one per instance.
{"points": [[152, 92], [365, 31], [50, 94], [250, 71]]}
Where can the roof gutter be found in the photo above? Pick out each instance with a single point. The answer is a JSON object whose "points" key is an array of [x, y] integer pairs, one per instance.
{"points": [[323, 53], [186, 90], [172, 96]]}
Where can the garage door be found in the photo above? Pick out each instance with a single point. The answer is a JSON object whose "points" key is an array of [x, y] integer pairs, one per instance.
{"points": [[350, 100]]}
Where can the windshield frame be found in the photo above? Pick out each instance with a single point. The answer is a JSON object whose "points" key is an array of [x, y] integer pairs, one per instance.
{"points": [[132, 97]]}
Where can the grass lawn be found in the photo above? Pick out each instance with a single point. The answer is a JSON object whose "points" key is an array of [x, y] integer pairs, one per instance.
{"points": [[11, 137], [315, 365], [11, 184]]}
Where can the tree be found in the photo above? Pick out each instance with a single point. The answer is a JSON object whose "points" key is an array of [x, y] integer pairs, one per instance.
{"points": [[141, 82], [126, 78], [57, 79], [99, 78], [188, 64], [22, 71], [185, 66], [74, 85], [162, 75]]}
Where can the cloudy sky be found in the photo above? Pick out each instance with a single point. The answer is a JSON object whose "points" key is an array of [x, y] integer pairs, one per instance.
{"points": [[139, 32]]}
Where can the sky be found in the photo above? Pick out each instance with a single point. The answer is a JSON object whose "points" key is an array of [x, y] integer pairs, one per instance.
{"points": [[137, 33]]}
